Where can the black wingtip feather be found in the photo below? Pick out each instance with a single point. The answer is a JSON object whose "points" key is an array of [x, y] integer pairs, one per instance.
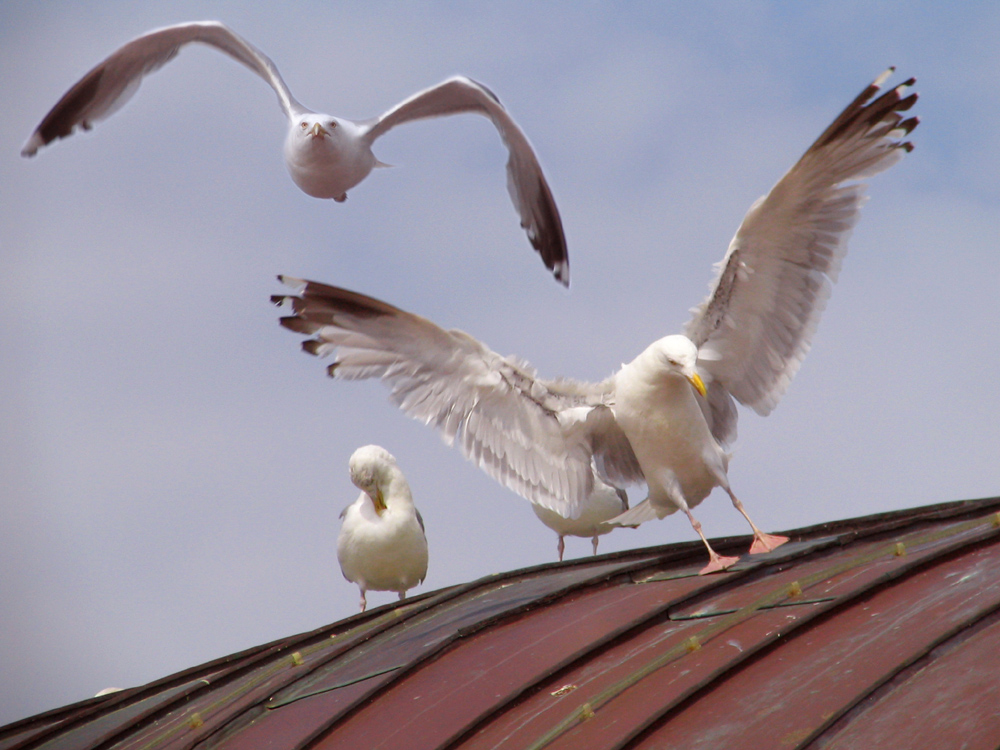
{"points": [[908, 125], [865, 110], [550, 242], [61, 119], [905, 104], [297, 324]]}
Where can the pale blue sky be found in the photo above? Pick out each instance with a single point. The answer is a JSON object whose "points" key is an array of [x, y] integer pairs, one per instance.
{"points": [[172, 466]]}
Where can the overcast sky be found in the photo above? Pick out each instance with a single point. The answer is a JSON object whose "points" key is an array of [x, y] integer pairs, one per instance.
{"points": [[172, 465]]}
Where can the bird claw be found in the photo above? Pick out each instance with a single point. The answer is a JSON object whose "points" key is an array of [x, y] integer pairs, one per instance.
{"points": [[766, 543], [718, 564]]}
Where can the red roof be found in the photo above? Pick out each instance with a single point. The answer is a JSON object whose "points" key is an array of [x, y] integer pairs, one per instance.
{"points": [[868, 633]]}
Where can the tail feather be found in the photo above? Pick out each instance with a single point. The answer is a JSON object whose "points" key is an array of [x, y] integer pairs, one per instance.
{"points": [[641, 513]]}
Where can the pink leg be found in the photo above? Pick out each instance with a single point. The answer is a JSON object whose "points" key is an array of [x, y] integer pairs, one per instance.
{"points": [[402, 595], [761, 542], [364, 601], [594, 542], [716, 562], [561, 547]]}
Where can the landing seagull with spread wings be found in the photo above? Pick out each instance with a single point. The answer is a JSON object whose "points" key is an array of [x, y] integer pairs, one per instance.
{"points": [[666, 417], [325, 155]]}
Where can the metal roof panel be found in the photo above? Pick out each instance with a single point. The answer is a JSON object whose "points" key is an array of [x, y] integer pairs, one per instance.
{"points": [[855, 632]]}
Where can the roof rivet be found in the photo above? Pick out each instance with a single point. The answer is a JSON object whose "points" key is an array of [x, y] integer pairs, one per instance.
{"points": [[297, 659], [794, 589], [900, 550], [692, 644], [195, 721], [586, 712], [563, 690]]}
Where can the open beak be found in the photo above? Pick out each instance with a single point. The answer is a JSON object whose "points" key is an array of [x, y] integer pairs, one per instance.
{"points": [[318, 131], [699, 384]]}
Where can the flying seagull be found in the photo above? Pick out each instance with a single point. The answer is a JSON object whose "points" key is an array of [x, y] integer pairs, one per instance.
{"points": [[667, 417], [381, 546], [325, 155], [602, 504]]}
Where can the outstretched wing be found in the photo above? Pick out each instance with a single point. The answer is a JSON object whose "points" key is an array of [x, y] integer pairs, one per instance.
{"points": [[525, 181], [535, 437], [106, 88], [757, 324]]}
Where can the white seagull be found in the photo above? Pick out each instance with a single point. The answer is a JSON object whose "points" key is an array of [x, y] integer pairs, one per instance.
{"points": [[666, 417], [603, 504], [326, 155], [381, 546]]}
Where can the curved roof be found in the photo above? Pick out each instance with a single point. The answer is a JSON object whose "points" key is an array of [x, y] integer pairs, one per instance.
{"points": [[872, 632]]}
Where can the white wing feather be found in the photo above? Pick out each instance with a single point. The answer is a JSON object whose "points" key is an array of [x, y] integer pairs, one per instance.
{"points": [[535, 437], [757, 324], [109, 85], [526, 182]]}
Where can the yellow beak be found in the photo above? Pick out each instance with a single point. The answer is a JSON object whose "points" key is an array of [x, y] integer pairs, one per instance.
{"points": [[699, 384], [318, 131], [379, 501]]}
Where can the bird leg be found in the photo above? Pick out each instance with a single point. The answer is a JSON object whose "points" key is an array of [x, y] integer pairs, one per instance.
{"points": [[716, 562], [561, 547], [402, 595], [761, 542], [594, 542], [364, 601]]}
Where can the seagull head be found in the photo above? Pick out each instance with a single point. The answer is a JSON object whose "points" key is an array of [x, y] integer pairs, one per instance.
{"points": [[678, 355], [371, 467], [313, 127], [327, 156]]}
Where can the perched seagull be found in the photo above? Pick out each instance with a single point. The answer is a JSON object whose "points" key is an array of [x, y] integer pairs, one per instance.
{"points": [[326, 155], [381, 546], [603, 504], [666, 417]]}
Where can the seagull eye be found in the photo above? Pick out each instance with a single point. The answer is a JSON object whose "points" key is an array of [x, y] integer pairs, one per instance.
{"points": [[333, 124], [303, 125]]}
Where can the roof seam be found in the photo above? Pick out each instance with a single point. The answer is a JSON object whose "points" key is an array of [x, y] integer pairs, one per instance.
{"points": [[713, 584], [599, 578], [803, 625], [949, 641]]}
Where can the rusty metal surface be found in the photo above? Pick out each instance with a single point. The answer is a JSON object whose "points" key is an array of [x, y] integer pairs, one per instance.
{"points": [[19, 737], [953, 693], [496, 667], [873, 632], [822, 671]]}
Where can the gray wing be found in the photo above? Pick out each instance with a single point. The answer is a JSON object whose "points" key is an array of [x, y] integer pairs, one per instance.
{"points": [[757, 324], [107, 87], [525, 181], [535, 437]]}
